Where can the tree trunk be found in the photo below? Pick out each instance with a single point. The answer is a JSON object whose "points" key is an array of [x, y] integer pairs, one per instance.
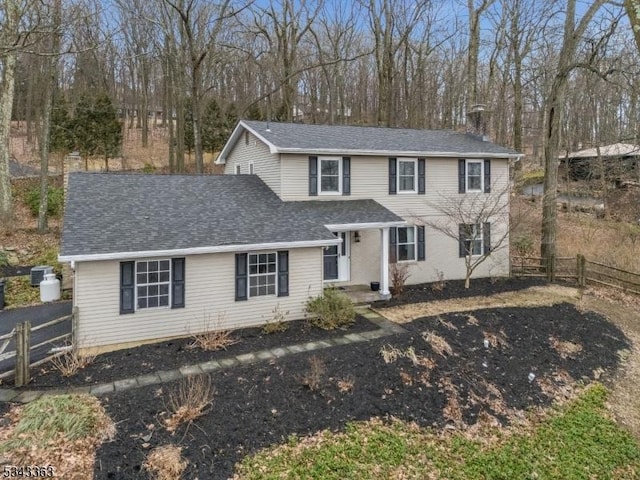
{"points": [[6, 104]]}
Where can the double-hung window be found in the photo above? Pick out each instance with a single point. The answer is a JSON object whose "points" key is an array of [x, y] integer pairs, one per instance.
{"points": [[262, 274], [153, 279], [330, 178], [474, 180], [406, 244], [472, 238], [407, 173]]}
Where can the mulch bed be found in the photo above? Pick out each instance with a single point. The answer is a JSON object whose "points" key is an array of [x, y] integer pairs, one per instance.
{"points": [[263, 404], [172, 354], [427, 292], [15, 271]]}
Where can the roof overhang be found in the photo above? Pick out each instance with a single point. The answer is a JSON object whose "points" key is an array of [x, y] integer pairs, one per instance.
{"points": [[94, 257], [347, 227], [237, 132]]}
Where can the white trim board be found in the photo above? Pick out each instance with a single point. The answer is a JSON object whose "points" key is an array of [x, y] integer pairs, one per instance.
{"points": [[197, 251]]}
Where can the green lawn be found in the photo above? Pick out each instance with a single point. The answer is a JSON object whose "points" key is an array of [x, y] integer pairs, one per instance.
{"points": [[576, 441]]}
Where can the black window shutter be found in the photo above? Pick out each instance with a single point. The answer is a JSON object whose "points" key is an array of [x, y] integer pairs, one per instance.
{"points": [[177, 283], [393, 244], [127, 287], [283, 273], [421, 242], [462, 173], [486, 237], [313, 176], [241, 276], [487, 176], [346, 175], [462, 240], [393, 165], [421, 176]]}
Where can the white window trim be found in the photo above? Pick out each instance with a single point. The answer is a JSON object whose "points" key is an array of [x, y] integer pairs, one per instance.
{"points": [[249, 275], [466, 176], [334, 159], [415, 175], [135, 284], [480, 230], [415, 245], [251, 168], [238, 169]]}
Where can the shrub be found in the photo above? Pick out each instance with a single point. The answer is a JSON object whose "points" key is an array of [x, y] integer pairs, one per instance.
{"points": [[277, 323], [440, 283], [214, 337], [148, 168], [55, 201], [189, 401], [312, 379], [523, 245], [333, 309], [70, 362], [399, 272], [166, 462], [4, 258]]}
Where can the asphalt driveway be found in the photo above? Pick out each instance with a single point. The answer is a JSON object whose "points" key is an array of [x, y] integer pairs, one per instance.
{"points": [[37, 315]]}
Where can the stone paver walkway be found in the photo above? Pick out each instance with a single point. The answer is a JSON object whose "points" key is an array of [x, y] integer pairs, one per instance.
{"points": [[386, 328]]}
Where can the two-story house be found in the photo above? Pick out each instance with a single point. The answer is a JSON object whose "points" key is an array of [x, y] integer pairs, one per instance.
{"points": [[299, 207]]}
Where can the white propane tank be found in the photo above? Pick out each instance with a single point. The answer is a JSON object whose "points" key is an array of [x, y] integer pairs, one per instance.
{"points": [[49, 288]]}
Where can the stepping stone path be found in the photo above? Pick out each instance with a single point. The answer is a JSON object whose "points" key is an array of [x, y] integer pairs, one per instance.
{"points": [[386, 328]]}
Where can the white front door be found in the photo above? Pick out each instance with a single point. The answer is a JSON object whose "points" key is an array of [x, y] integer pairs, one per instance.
{"points": [[336, 259]]}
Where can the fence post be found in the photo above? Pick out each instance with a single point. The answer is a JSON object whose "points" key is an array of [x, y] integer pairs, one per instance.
{"points": [[581, 268], [23, 343], [551, 268], [74, 328]]}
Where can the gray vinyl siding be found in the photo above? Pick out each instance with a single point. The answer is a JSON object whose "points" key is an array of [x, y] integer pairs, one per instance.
{"points": [[370, 179], [266, 165], [209, 303]]}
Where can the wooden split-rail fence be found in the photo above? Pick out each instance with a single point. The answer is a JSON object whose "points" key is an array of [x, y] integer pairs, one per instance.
{"points": [[579, 268], [20, 339]]}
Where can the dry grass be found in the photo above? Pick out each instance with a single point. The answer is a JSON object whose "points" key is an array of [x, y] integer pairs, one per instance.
{"points": [[69, 362], [312, 378], [452, 410], [346, 384], [390, 354], [214, 337], [438, 344], [447, 324], [496, 340], [189, 401], [534, 296], [564, 348], [165, 462], [48, 444]]}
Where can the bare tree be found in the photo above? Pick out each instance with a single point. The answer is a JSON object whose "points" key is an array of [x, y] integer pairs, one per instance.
{"points": [[566, 63], [478, 222]]}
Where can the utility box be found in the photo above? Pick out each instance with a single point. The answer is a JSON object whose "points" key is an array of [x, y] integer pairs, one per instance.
{"points": [[37, 274]]}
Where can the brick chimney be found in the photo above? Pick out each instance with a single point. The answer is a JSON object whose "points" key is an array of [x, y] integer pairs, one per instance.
{"points": [[478, 121]]}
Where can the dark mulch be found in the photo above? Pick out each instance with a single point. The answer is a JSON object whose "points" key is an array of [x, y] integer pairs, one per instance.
{"points": [[261, 405], [425, 292], [172, 354]]}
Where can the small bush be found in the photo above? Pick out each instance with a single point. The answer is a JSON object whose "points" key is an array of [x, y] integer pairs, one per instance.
{"points": [[55, 201], [331, 310], [440, 283], [148, 168], [4, 258], [70, 362], [277, 323], [166, 462], [214, 337], [189, 401], [312, 379], [399, 273], [523, 246]]}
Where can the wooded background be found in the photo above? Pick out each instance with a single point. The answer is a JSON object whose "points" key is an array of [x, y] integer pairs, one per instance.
{"points": [[556, 75]]}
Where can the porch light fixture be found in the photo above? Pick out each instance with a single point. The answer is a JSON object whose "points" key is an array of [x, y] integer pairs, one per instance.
{"points": [[356, 236]]}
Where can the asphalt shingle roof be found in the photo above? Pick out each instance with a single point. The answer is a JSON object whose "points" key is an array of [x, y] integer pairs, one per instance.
{"points": [[114, 213], [311, 138]]}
